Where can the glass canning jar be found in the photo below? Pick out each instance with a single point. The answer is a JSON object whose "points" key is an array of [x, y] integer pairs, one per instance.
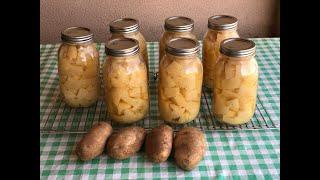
{"points": [[129, 28], [235, 82], [125, 81], [180, 81], [220, 27], [78, 67], [176, 26]]}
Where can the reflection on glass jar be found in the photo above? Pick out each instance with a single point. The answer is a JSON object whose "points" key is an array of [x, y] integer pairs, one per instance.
{"points": [[129, 28], [176, 26], [78, 67], [235, 82], [180, 81], [125, 81], [220, 27]]}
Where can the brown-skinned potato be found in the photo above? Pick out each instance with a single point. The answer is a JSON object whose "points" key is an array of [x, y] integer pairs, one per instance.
{"points": [[158, 143], [92, 144], [126, 142], [189, 147]]}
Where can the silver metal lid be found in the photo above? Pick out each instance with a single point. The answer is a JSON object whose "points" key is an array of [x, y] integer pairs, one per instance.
{"points": [[182, 46], [76, 35], [237, 47], [222, 22], [122, 47], [179, 24], [124, 25]]}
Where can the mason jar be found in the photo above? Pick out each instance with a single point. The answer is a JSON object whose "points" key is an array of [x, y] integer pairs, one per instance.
{"points": [[78, 67], [180, 81], [235, 82], [125, 81], [220, 27], [129, 28], [176, 26]]}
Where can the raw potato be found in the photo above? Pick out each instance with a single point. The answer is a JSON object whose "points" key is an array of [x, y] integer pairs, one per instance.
{"points": [[189, 147], [211, 52], [159, 143], [235, 89], [167, 35], [78, 68], [126, 142], [126, 89], [92, 144], [179, 88]]}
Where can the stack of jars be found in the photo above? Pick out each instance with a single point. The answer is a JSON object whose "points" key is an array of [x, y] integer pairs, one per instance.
{"points": [[228, 68]]}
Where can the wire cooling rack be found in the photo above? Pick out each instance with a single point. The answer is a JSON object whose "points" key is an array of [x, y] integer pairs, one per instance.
{"points": [[59, 117], [56, 116]]}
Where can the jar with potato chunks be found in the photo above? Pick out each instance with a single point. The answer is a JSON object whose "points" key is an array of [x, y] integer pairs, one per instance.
{"points": [[180, 81], [125, 81], [78, 67], [220, 27], [129, 28], [176, 26], [235, 82]]}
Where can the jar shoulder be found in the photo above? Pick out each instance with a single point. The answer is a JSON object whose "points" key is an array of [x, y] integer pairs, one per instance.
{"points": [[125, 65], [137, 36], [167, 35], [78, 54], [182, 64]]}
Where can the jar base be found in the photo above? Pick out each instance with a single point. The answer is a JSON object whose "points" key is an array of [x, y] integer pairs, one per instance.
{"points": [[231, 124], [179, 122]]}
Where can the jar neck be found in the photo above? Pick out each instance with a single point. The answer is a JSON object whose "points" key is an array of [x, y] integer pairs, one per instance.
{"points": [[189, 57], [179, 32], [129, 34], [78, 43], [237, 59], [223, 30], [125, 58]]}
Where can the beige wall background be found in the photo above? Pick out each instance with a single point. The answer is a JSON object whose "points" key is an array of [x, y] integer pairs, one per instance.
{"points": [[257, 18]]}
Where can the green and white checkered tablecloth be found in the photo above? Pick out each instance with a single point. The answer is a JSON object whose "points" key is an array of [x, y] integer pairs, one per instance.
{"points": [[247, 154], [250, 151]]}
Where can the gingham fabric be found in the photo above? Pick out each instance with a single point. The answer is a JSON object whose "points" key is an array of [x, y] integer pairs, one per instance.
{"points": [[246, 154], [250, 151]]}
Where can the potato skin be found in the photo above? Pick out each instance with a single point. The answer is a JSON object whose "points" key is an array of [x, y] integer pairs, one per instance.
{"points": [[126, 142], [159, 143], [189, 147], [92, 144]]}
